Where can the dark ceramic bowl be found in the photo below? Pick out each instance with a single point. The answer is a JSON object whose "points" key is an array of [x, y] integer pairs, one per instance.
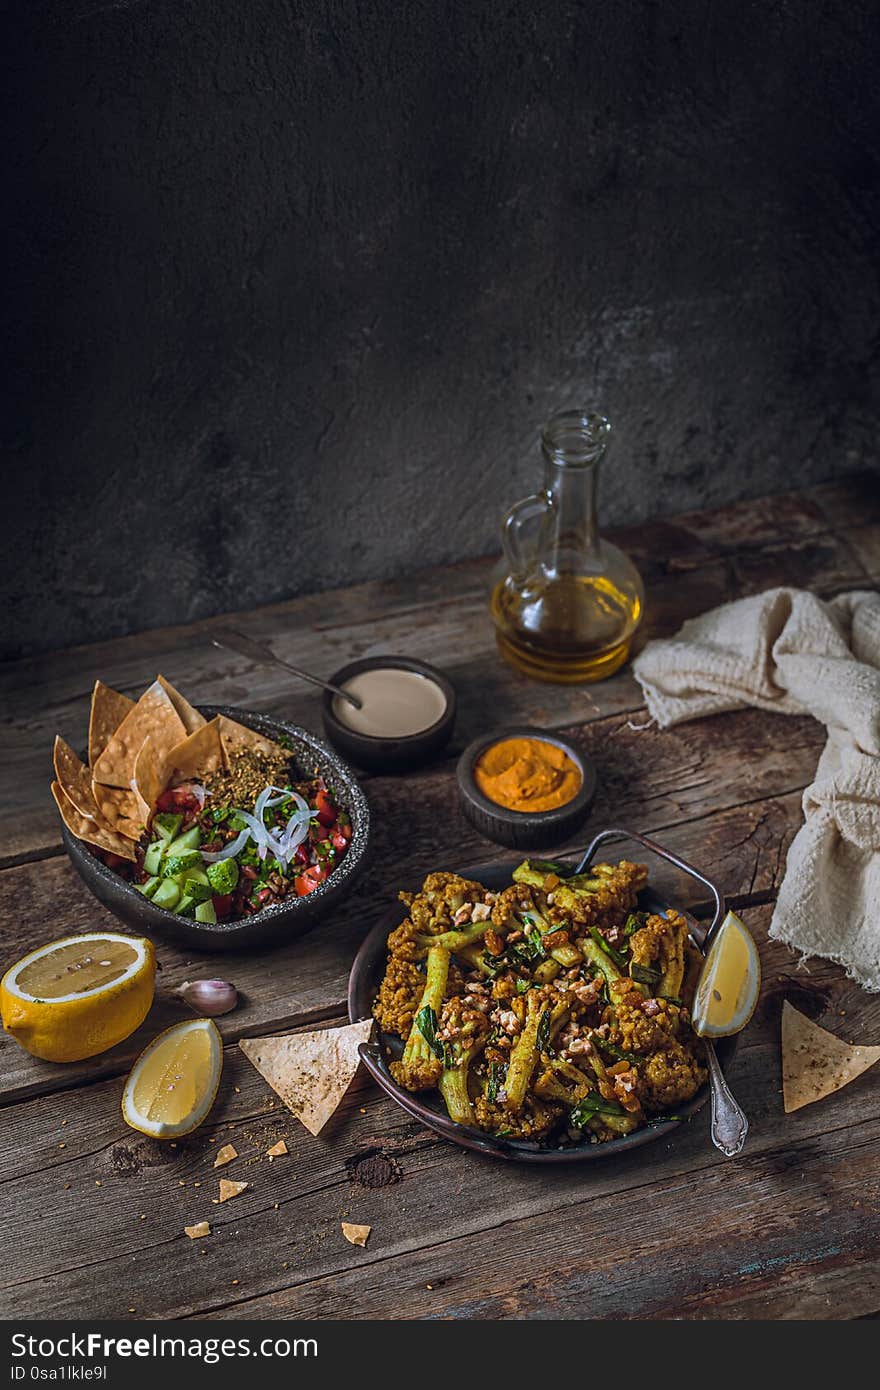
{"points": [[523, 830], [427, 1107], [275, 923], [389, 754]]}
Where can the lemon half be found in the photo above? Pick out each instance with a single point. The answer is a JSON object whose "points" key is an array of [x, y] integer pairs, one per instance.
{"points": [[730, 982], [172, 1085], [76, 997]]}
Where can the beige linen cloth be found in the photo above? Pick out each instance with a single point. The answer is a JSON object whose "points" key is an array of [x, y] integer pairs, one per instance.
{"points": [[789, 652]]}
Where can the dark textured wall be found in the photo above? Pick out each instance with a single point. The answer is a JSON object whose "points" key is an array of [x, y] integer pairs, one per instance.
{"points": [[295, 282]]}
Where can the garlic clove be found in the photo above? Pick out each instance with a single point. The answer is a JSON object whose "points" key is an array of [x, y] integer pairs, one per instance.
{"points": [[208, 997]]}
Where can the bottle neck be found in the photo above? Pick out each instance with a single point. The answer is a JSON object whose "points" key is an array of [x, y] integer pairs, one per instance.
{"points": [[573, 444], [572, 522]]}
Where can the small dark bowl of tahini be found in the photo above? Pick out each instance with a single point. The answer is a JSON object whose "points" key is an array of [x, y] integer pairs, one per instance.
{"points": [[406, 717]]}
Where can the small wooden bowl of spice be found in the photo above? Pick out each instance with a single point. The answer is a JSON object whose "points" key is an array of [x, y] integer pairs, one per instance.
{"points": [[525, 788]]}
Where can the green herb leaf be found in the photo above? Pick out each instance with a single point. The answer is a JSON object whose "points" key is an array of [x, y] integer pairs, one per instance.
{"points": [[543, 1035], [617, 956], [643, 974], [426, 1022], [593, 1105], [634, 922]]}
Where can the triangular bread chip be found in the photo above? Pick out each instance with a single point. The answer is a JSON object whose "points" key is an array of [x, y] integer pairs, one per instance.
{"points": [[120, 809], [236, 738], [190, 718], [109, 708], [355, 1234], [229, 1189], [154, 716], [816, 1063], [149, 780], [90, 830], [310, 1071], [75, 780], [197, 755]]}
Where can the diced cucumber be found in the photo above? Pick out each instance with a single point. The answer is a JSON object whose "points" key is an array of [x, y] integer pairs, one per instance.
{"points": [[186, 905], [199, 892], [223, 876], [153, 857], [166, 825], [205, 912], [174, 864], [148, 888], [190, 839], [197, 875], [167, 894]]}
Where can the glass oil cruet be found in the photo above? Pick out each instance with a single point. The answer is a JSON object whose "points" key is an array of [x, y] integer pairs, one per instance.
{"points": [[567, 602]]}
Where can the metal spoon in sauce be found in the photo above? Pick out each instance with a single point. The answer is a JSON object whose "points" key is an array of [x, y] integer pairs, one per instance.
{"points": [[258, 651]]}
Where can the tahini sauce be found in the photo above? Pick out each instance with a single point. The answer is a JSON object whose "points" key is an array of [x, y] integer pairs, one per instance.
{"points": [[394, 703]]}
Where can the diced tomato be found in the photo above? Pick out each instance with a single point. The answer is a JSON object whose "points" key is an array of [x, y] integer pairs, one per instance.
{"points": [[248, 871], [302, 854], [339, 841], [307, 883], [166, 801], [346, 829], [222, 904], [325, 810]]}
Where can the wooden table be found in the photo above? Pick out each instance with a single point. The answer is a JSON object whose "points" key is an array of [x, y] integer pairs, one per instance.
{"points": [[93, 1214]]}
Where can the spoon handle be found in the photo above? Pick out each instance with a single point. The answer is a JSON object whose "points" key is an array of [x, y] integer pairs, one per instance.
{"points": [[729, 1124], [256, 651]]}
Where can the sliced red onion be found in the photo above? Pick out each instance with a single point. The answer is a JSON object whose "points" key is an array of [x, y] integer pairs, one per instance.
{"points": [[228, 851]]}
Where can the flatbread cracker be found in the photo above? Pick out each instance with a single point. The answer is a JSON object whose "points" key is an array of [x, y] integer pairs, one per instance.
{"points": [[190, 718], [197, 755], [109, 708], [355, 1234], [89, 830], [816, 1063], [236, 737], [149, 780], [155, 717], [75, 780], [310, 1071], [121, 810]]}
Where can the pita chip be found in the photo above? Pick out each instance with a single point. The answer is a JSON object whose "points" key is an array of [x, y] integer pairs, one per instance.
{"points": [[75, 780], [109, 708], [197, 755], [310, 1071], [236, 738], [149, 780], [229, 1189], [190, 718], [201, 1228], [89, 830], [277, 1150], [155, 717], [120, 809], [354, 1234], [225, 1155], [816, 1063]]}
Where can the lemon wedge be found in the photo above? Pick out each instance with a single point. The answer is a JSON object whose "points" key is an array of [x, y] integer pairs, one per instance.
{"points": [[730, 982], [172, 1085], [76, 997]]}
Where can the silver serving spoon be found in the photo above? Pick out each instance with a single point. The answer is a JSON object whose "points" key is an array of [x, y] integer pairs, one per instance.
{"points": [[258, 651]]}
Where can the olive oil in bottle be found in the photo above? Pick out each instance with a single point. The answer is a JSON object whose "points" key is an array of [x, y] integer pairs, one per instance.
{"points": [[568, 603]]}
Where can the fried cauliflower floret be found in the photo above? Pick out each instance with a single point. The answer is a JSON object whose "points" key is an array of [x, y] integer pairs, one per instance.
{"points": [[421, 1074], [511, 902], [661, 942], [645, 944], [643, 1025], [603, 897], [398, 997], [669, 1077], [536, 1118]]}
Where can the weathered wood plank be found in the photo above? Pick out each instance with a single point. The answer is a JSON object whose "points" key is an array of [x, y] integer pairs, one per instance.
{"points": [[621, 1237], [690, 565], [689, 782]]}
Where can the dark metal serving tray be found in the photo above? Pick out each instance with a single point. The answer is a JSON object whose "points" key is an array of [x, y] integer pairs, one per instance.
{"points": [[366, 976]]}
